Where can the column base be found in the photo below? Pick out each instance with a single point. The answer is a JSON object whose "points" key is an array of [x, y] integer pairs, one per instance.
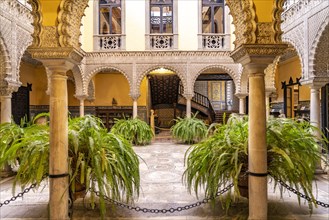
{"points": [[7, 172]]}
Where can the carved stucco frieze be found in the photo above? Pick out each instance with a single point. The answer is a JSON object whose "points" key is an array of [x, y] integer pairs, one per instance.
{"points": [[49, 37], [9, 88], [69, 22], [264, 33], [68, 53], [319, 66], [270, 75], [37, 22], [243, 14], [277, 11]]}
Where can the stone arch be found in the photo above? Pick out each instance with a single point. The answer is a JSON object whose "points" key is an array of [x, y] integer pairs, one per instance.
{"points": [[5, 64], [319, 55], [154, 67], [69, 22], [88, 79], [37, 22], [270, 75], [230, 72], [78, 81], [299, 50]]}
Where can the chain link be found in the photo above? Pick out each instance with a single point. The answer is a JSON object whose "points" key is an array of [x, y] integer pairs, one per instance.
{"points": [[6, 202], [300, 194], [163, 211]]}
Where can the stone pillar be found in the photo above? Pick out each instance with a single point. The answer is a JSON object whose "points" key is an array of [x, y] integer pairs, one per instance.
{"points": [[6, 108], [152, 121], [188, 98], [81, 99], [315, 107], [135, 106], [255, 64], [58, 152], [242, 103], [135, 109]]}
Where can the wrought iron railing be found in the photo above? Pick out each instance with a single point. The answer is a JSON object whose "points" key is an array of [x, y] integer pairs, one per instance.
{"points": [[215, 41], [201, 100], [109, 41], [161, 41]]}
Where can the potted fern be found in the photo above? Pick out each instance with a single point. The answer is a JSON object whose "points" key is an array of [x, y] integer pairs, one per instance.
{"points": [[189, 130], [98, 160], [221, 158], [135, 130]]}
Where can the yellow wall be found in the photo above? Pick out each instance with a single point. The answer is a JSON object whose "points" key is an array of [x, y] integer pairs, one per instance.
{"points": [[188, 25], [49, 10], [38, 77], [135, 25], [87, 28], [264, 10], [287, 69], [114, 85], [72, 101], [142, 100]]}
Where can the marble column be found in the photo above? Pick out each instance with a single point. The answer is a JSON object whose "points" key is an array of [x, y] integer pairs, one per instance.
{"points": [[255, 58], [315, 107], [242, 103], [81, 99], [58, 152], [188, 98], [6, 108], [135, 108]]}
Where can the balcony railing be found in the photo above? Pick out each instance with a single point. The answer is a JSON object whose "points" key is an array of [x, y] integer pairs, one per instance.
{"points": [[161, 41], [25, 3], [109, 42], [215, 41]]}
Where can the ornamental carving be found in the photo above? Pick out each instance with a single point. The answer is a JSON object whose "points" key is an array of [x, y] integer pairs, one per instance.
{"points": [[258, 50], [277, 11], [49, 37], [320, 63], [69, 22], [243, 14], [161, 41], [37, 22], [264, 33], [74, 56]]}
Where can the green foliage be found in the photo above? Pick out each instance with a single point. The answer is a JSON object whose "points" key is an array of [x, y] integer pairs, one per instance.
{"points": [[219, 160], [99, 160], [103, 161], [189, 130], [136, 131]]}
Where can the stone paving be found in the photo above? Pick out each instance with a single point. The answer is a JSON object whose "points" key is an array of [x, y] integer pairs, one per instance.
{"points": [[161, 167]]}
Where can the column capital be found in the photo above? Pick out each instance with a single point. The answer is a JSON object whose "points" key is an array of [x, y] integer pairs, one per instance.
{"points": [[8, 89], [59, 66], [256, 57], [241, 95], [315, 83], [135, 96], [188, 95], [81, 97]]}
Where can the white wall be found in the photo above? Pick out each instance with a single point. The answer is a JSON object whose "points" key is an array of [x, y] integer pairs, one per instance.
{"points": [[135, 25], [187, 24]]}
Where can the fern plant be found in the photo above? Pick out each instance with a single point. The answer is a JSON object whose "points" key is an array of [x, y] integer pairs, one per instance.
{"points": [[135, 130], [189, 130], [98, 160], [221, 158]]}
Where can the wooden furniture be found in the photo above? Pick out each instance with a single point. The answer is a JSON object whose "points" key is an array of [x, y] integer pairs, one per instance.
{"points": [[108, 114]]}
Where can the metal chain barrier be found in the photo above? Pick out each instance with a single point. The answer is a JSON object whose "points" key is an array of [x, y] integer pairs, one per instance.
{"points": [[162, 211], [300, 194], [21, 194]]}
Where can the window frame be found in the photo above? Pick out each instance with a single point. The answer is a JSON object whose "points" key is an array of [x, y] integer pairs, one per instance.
{"points": [[110, 6], [212, 6]]}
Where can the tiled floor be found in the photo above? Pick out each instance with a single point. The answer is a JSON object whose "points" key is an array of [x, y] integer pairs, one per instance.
{"points": [[162, 188]]}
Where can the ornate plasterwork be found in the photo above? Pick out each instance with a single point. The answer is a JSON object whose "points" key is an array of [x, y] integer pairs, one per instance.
{"points": [[243, 14], [69, 22], [270, 75], [277, 11], [49, 37], [37, 22], [68, 53], [247, 52], [264, 33], [319, 52]]}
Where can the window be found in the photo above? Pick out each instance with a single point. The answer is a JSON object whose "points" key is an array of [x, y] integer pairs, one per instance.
{"points": [[161, 16], [213, 16], [110, 17]]}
